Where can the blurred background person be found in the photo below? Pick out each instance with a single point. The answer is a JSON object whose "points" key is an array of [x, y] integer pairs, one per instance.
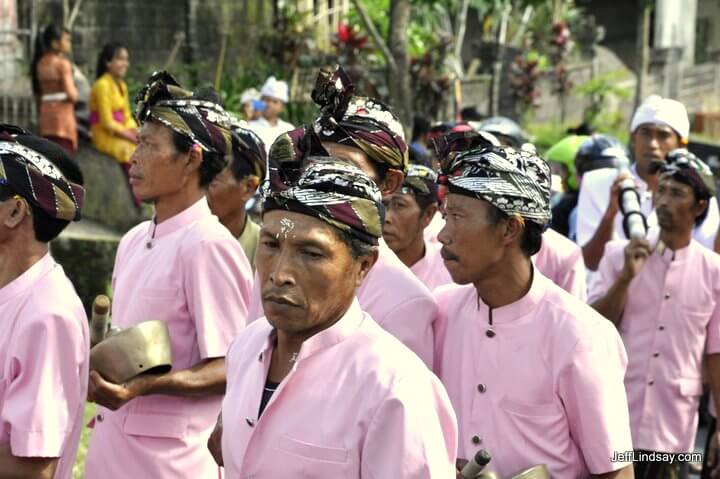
{"points": [[252, 106], [112, 126], [54, 88], [269, 126]]}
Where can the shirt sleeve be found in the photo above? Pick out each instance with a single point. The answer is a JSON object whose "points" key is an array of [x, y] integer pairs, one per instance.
{"points": [[712, 338], [218, 281], [593, 392], [607, 272], [413, 434], [412, 323], [574, 280], [46, 394], [592, 203]]}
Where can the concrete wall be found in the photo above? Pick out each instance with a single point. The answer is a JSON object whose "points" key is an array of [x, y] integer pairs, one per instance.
{"points": [[709, 10]]}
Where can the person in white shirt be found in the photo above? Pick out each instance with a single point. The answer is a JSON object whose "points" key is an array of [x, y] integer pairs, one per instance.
{"points": [[659, 126], [274, 94]]}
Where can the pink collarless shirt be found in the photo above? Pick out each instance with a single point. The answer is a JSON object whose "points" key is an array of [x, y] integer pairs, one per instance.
{"points": [[670, 321], [545, 386], [431, 270], [562, 262], [357, 404], [192, 273], [44, 357], [394, 298]]}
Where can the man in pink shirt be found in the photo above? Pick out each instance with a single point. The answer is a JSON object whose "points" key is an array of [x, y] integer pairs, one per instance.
{"points": [[366, 133], [662, 294], [535, 375], [317, 388], [562, 262], [408, 212], [183, 267], [44, 339]]}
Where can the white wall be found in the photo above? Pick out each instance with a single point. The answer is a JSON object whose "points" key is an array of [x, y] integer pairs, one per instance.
{"points": [[675, 26]]}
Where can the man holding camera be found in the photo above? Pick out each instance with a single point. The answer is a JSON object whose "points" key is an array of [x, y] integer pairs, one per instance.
{"points": [[662, 293], [659, 126]]}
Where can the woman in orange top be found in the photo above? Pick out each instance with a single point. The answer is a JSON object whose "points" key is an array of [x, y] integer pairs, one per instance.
{"points": [[54, 88]]}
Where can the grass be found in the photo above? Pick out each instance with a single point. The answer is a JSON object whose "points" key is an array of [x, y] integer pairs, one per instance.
{"points": [[79, 468]]}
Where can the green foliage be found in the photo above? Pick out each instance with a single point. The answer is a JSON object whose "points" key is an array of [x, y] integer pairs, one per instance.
{"points": [[598, 91]]}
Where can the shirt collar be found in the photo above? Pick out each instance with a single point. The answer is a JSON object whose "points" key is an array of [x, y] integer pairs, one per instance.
{"points": [[326, 338], [524, 305], [186, 217], [28, 278]]}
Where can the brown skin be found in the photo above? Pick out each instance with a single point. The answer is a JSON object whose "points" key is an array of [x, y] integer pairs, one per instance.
{"points": [[677, 210], [404, 226], [500, 271], [169, 179], [308, 280], [19, 251], [393, 178], [273, 109], [649, 142], [227, 197]]}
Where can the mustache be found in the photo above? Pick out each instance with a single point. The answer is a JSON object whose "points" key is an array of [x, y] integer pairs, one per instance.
{"points": [[277, 296], [447, 255]]}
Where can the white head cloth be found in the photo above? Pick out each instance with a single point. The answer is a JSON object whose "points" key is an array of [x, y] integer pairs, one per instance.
{"points": [[275, 89], [663, 111]]}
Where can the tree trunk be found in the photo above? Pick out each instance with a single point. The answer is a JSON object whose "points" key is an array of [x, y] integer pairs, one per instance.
{"points": [[399, 84], [643, 51]]}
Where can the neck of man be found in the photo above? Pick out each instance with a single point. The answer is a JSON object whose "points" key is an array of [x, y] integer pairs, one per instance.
{"points": [[272, 120], [675, 239], [650, 179], [509, 282], [414, 252], [18, 256], [288, 347], [235, 221], [172, 204]]}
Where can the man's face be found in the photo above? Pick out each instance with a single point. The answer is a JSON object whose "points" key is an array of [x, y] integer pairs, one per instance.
{"points": [[157, 168], [404, 221], [393, 178], [273, 107], [676, 206], [226, 195], [472, 246], [652, 142], [307, 273]]}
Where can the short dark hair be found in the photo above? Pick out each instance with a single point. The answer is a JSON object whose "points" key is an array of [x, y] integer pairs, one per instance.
{"points": [[358, 248], [424, 201], [698, 197], [532, 232]]}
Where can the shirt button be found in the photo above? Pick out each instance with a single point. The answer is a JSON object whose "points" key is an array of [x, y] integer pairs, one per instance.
{"points": [[490, 333], [476, 440], [650, 383], [100, 418], [656, 355], [667, 295], [250, 422], [661, 328], [482, 388]]}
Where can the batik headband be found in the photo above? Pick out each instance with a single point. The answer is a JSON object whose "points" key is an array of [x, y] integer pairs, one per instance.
{"points": [[329, 189], [204, 122], [33, 176], [516, 182], [363, 122]]}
